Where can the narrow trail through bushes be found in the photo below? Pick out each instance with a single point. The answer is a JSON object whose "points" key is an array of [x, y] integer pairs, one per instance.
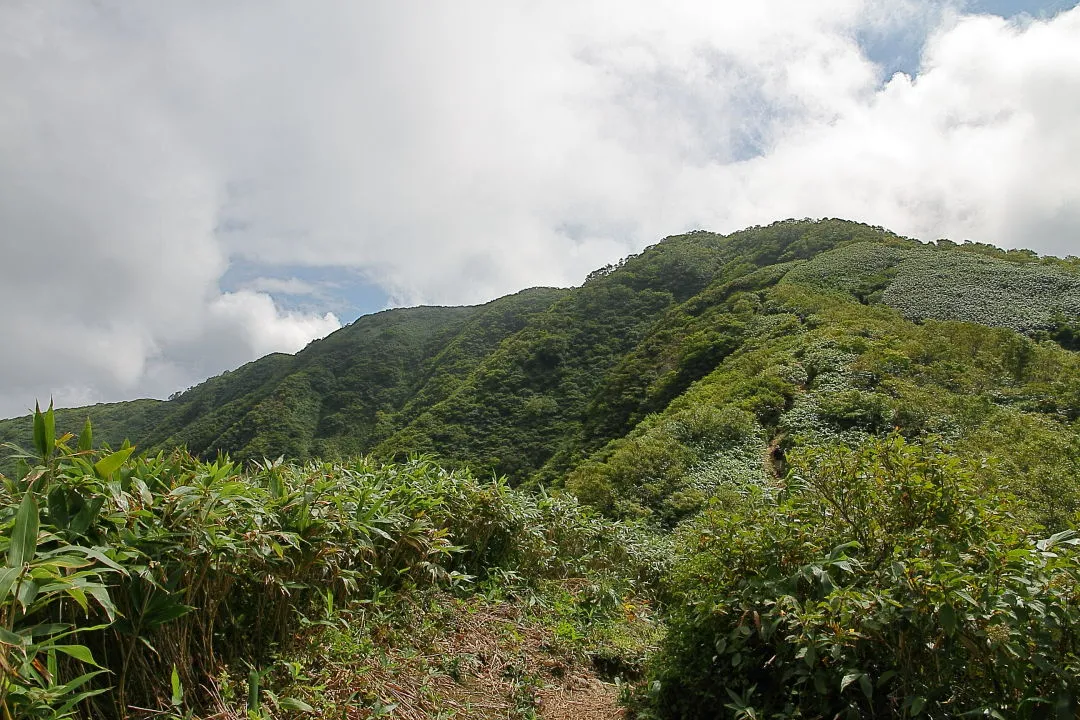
{"points": [[489, 661], [512, 668]]}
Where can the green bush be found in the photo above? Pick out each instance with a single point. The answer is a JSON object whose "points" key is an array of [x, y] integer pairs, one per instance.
{"points": [[890, 582], [131, 578]]}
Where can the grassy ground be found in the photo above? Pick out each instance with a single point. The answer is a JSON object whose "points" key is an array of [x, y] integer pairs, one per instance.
{"points": [[481, 656]]}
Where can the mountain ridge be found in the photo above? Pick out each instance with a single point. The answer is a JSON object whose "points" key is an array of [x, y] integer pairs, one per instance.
{"points": [[533, 384], [813, 468]]}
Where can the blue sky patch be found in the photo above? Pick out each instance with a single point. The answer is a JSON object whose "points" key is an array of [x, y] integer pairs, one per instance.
{"points": [[343, 291], [900, 50]]}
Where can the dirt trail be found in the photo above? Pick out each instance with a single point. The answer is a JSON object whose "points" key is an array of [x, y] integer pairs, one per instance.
{"points": [[480, 661], [582, 699], [517, 671]]}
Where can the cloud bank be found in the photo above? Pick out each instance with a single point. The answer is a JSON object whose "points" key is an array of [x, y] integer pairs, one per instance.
{"points": [[465, 150]]}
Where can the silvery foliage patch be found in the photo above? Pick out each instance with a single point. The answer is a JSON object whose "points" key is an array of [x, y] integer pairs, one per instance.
{"points": [[951, 284]]}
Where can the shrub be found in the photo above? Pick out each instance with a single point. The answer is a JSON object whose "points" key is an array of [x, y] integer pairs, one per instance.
{"points": [[889, 583], [166, 566], [949, 283]]}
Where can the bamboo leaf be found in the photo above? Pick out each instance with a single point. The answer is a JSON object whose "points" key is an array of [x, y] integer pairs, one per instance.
{"points": [[85, 516], [79, 652], [24, 535], [86, 437], [78, 698], [79, 596], [295, 704], [27, 592], [9, 638], [101, 557], [109, 464], [22, 468], [58, 507], [44, 431], [100, 594], [177, 698], [253, 690], [8, 576]]}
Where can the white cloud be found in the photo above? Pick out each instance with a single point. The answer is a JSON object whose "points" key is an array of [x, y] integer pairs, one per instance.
{"points": [[266, 328], [284, 286], [470, 149], [980, 145]]}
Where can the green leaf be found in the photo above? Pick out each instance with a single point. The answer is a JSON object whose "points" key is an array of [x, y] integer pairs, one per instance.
{"points": [[9, 638], [98, 554], [291, 703], [966, 597], [841, 550], [22, 468], [85, 516], [165, 614], [276, 489], [24, 535], [44, 431], [79, 652], [917, 705], [848, 679], [100, 594], [86, 437], [177, 698], [58, 507], [73, 700], [253, 690], [50, 630], [885, 677], [27, 592], [109, 464], [1062, 537], [8, 576]]}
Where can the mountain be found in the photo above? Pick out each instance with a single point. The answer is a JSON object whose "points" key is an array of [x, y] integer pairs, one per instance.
{"points": [[813, 469], [662, 376]]}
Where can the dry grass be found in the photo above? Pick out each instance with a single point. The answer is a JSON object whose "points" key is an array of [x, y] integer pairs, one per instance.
{"points": [[585, 699], [508, 647], [484, 661], [495, 663]]}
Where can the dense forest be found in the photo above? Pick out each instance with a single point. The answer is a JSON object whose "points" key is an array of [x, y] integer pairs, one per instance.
{"points": [[812, 469]]}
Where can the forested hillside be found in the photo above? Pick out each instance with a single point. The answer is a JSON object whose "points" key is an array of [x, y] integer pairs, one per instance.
{"points": [[531, 382], [812, 469]]}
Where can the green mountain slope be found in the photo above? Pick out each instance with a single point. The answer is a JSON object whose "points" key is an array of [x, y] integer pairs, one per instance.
{"points": [[333, 398], [722, 329], [812, 469], [820, 368]]}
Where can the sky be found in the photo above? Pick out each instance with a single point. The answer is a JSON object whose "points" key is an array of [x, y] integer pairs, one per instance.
{"points": [[185, 187]]}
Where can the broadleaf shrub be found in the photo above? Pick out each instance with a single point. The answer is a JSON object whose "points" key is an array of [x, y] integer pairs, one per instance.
{"points": [[889, 582]]}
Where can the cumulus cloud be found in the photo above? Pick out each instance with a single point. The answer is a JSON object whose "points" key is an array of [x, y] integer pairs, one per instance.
{"points": [[978, 145], [283, 286], [266, 329], [465, 150]]}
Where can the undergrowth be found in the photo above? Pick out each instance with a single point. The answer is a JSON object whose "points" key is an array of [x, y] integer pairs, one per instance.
{"points": [[139, 585]]}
